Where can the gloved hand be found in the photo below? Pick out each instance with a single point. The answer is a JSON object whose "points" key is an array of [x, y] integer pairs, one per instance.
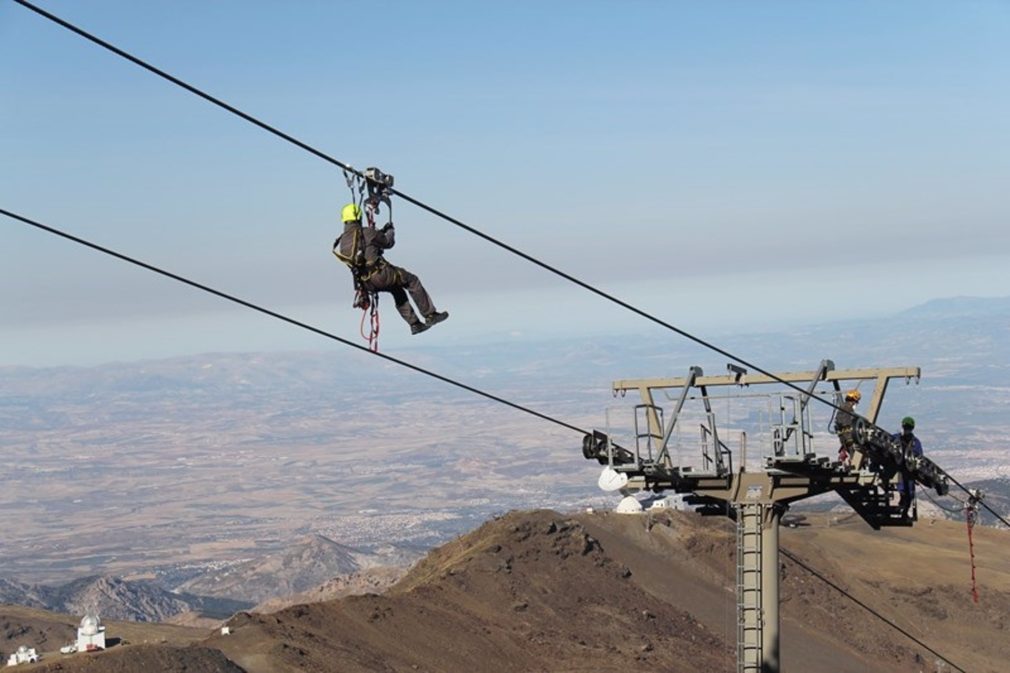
{"points": [[388, 226]]}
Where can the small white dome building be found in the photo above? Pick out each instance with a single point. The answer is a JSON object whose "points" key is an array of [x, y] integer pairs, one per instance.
{"points": [[90, 634], [23, 655], [629, 505]]}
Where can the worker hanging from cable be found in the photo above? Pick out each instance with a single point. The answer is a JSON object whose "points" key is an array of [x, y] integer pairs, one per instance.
{"points": [[362, 247]]}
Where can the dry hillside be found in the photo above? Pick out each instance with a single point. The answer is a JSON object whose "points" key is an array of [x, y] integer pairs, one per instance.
{"points": [[917, 577], [142, 659], [527, 592], [369, 581], [541, 591]]}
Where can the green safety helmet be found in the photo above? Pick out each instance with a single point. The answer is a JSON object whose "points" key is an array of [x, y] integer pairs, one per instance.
{"points": [[908, 422], [351, 213]]}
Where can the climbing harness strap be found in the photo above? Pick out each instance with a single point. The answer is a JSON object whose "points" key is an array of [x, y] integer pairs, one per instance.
{"points": [[355, 182]]}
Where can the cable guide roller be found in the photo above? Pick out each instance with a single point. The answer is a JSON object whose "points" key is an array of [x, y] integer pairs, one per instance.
{"points": [[652, 463]]}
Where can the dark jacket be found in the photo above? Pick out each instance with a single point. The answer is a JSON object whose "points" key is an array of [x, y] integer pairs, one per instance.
{"points": [[363, 245], [909, 442], [845, 417]]}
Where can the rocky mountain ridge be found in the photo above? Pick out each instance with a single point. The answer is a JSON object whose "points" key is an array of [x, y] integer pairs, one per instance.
{"points": [[115, 598], [298, 568]]}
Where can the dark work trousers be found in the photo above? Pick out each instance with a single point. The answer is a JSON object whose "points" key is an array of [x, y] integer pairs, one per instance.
{"points": [[398, 282]]}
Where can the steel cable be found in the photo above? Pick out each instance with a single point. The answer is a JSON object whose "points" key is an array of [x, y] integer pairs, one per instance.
{"points": [[279, 316], [495, 398], [866, 607], [981, 502], [959, 510], [253, 120], [438, 213]]}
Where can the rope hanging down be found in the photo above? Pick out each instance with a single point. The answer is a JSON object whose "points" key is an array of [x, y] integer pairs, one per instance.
{"points": [[279, 316], [970, 519], [308, 148], [969, 508]]}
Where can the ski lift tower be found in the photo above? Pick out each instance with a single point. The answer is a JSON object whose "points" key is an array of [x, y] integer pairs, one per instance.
{"points": [[757, 499]]}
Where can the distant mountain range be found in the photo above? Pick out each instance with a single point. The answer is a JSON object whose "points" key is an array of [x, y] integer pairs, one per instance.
{"points": [[210, 471], [315, 568], [298, 568], [375, 580], [950, 307], [115, 598]]}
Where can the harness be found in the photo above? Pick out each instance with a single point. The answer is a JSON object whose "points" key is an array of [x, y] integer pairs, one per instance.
{"points": [[377, 185]]}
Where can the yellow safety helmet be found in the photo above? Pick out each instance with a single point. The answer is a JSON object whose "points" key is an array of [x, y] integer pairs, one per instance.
{"points": [[351, 213], [854, 395]]}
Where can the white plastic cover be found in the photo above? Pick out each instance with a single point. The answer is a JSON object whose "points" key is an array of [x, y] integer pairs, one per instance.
{"points": [[612, 480]]}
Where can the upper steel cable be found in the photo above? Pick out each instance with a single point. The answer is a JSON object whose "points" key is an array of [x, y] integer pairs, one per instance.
{"points": [[279, 316], [420, 204], [981, 502], [434, 211]]}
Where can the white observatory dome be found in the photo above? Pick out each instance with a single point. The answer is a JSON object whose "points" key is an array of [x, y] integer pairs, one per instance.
{"points": [[89, 625], [629, 505]]}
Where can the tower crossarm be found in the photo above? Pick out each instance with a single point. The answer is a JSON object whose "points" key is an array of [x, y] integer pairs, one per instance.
{"points": [[747, 379], [739, 377]]}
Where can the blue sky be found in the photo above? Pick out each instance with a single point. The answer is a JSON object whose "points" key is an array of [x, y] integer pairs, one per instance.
{"points": [[728, 165]]}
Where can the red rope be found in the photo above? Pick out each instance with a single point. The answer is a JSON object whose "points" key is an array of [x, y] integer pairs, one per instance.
{"points": [[373, 338], [970, 514]]}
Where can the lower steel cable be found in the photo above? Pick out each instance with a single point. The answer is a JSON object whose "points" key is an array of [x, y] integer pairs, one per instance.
{"points": [[279, 316]]}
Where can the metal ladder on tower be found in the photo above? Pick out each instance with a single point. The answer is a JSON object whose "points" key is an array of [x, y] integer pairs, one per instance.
{"points": [[749, 608]]}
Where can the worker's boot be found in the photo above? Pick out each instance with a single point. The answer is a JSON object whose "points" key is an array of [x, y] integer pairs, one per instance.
{"points": [[436, 317], [417, 327]]}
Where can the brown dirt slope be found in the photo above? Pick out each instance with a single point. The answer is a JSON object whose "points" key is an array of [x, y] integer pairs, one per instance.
{"points": [[917, 577], [48, 631], [45, 631], [142, 659], [526, 592], [540, 591]]}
